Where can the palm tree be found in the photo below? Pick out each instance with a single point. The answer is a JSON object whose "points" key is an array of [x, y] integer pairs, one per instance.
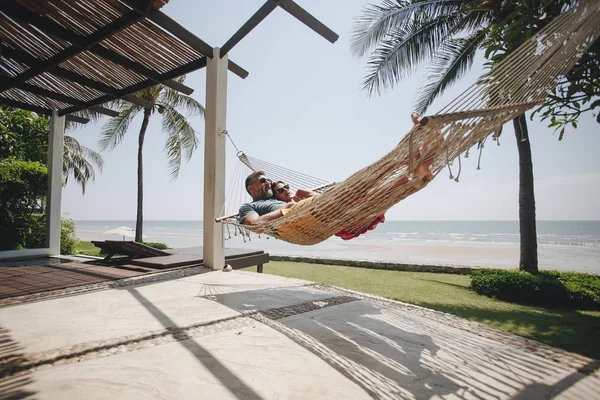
{"points": [[24, 134], [79, 162], [181, 137], [445, 35]]}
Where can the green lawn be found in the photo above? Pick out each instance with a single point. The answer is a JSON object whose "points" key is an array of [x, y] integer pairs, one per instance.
{"points": [[575, 331], [87, 248]]}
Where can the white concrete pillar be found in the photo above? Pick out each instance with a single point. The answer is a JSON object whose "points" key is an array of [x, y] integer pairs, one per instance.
{"points": [[214, 159], [55, 164]]}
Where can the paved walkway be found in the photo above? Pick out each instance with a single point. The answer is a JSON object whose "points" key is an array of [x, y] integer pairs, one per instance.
{"points": [[242, 335]]}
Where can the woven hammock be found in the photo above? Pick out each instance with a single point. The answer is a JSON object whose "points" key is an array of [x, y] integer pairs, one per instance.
{"points": [[513, 86]]}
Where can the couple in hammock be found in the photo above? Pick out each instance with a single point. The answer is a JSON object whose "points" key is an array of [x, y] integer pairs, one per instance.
{"points": [[274, 200]]}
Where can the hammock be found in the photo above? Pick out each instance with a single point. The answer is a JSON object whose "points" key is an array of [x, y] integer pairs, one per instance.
{"points": [[513, 86]]}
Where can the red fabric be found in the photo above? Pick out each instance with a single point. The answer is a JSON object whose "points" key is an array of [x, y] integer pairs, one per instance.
{"points": [[356, 231]]}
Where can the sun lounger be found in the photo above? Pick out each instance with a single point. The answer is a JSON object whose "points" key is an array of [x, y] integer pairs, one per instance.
{"points": [[130, 249], [139, 254]]}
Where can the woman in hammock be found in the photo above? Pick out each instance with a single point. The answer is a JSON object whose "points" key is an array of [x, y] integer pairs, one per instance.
{"points": [[282, 192], [266, 208]]}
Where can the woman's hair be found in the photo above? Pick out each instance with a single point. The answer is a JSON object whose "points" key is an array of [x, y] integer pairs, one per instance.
{"points": [[273, 188]]}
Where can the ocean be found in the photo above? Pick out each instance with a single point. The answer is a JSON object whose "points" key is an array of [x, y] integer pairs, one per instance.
{"points": [[564, 245]]}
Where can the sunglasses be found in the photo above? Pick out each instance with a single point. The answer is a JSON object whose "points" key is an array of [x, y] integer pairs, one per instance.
{"points": [[283, 189], [262, 180]]}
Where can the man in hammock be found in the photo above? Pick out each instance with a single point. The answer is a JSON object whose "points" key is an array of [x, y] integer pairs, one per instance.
{"points": [[265, 208]]}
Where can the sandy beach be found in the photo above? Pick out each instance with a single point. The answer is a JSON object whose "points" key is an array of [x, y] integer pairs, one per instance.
{"points": [[571, 246], [555, 257]]}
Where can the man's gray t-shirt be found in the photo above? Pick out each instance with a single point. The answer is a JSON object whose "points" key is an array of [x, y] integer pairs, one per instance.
{"points": [[260, 207]]}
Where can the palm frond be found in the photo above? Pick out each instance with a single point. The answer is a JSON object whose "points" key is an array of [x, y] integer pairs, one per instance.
{"points": [[451, 63], [79, 161], [173, 98], [114, 130], [400, 54], [378, 22], [182, 139]]}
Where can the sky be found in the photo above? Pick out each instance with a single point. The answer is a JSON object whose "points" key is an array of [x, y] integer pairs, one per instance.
{"points": [[301, 107]]}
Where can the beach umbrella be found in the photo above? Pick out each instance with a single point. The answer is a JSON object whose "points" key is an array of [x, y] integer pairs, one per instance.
{"points": [[122, 231]]}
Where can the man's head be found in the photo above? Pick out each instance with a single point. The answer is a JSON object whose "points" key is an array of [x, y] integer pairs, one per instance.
{"points": [[258, 186]]}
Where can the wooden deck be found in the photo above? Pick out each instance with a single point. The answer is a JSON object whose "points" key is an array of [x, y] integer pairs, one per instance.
{"points": [[24, 277]]}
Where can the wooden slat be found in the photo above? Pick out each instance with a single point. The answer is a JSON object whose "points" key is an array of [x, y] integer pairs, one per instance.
{"points": [[18, 12], [187, 37], [134, 66], [194, 65], [40, 110], [72, 76], [81, 43], [171, 26]]}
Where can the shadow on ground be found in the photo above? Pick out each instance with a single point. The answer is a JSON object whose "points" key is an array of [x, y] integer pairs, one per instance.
{"points": [[570, 330], [392, 353], [12, 387]]}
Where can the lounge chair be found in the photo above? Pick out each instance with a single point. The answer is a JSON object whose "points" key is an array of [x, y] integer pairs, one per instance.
{"points": [[130, 249]]}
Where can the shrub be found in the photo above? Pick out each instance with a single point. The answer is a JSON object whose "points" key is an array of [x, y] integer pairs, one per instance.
{"points": [[23, 186], [547, 288], [68, 239], [156, 245]]}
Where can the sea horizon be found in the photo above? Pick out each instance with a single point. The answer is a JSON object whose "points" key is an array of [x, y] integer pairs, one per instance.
{"points": [[562, 244]]}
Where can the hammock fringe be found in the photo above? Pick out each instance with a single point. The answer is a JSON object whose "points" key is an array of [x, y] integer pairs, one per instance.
{"points": [[513, 86]]}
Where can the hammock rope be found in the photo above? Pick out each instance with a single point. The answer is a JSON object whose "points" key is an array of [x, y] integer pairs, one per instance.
{"points": [[518, 83]]}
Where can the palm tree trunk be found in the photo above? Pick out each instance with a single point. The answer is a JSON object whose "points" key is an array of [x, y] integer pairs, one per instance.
{"points": [[529, 256], [140, 175]]}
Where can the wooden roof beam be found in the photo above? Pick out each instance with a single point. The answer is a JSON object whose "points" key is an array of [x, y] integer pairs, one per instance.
{"points": [[80, 43], [64, 98], [254, 20], [289, 6], [184, 69], [304, 16], [40, 110], [175, 29], [33, 62], [140, 69]]}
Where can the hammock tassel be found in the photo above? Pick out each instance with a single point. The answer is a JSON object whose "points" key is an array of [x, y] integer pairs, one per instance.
{"points": [[410, 156], [479, 158], [448, 163], [459, 169]]}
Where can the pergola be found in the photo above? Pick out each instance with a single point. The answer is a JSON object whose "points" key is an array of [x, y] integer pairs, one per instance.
{"points": [[62, 57]]}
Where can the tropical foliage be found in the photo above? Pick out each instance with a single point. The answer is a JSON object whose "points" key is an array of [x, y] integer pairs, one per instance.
{"points": [[181, 139], [23, 186], [24, 176], [24, 135], [547, 288], [577, 93], [68, 237], [401, 36], [442, 35]]}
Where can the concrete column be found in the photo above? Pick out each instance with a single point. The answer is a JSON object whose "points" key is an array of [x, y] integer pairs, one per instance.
{"points": [[55, 164], [214, 159]]}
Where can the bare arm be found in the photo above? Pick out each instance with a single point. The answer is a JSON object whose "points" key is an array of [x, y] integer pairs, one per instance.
{"points": [[254, 219], [303, 194]]}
